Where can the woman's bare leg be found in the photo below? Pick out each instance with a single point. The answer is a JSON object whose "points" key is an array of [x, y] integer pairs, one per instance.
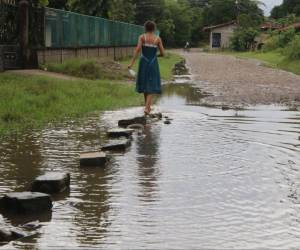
{"points": [[149, 102], [146, 98]]}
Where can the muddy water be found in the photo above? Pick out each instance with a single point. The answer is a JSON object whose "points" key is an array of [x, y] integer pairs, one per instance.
{"points": [[212, 179]]}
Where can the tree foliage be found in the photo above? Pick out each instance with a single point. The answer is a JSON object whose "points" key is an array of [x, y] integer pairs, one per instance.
{"points": [[243, 39], [286, 8], [179, 21], [221, 11]]}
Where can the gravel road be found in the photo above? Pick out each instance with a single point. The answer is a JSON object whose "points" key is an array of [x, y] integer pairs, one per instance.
{"points": [[234, 81]]}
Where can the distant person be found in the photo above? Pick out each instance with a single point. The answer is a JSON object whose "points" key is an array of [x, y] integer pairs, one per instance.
{"points": [[148, 78], [187, 46]]}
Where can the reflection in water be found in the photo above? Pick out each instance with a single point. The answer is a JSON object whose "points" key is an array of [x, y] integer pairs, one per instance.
{"points": [[147, 157], [20, 161], [191, 94], [215, 179], [91, 216]]}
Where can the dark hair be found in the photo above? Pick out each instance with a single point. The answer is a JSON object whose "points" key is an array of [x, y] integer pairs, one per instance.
{"points": [[150, 26]]}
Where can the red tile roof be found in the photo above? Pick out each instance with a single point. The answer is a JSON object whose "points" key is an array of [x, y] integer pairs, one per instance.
{"points": [[219, 25], [294, 25]]}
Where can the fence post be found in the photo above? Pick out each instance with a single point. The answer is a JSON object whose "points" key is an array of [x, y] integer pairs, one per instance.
{"points": [[1, 59], [24, 31]]}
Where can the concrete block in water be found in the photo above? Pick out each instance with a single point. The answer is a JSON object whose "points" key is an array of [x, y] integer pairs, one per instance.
{"points": [[136, 126], [156, 115], [137, 120], [7, 235], [51, 183], [96, 159], [26, 202], [117, 145], [120, 132]]}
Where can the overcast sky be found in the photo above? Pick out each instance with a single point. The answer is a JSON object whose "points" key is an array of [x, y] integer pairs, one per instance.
{"points": [[270, 4]]}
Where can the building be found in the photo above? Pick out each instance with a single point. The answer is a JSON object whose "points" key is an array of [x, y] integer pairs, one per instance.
{"points": [[270, 26], [220, 34], [295, 26]]}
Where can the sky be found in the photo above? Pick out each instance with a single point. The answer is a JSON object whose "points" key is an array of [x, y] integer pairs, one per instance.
{"points": [[270, 4]]}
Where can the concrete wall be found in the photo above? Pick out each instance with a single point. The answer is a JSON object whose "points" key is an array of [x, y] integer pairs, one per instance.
{"points": [[226, 33], [61, 55]]}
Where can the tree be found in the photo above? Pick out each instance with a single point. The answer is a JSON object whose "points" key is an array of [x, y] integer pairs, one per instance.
{"points": [[286, 8], [149, 10], [90, 7], [243, 39], [221, 11], [122, 10], [58, 4]]}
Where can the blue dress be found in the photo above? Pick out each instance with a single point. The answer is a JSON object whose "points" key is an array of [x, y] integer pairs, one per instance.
{"points": [[148, 77]]}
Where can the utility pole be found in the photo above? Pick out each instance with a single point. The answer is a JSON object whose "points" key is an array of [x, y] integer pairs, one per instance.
{"points": [[237, 10]]}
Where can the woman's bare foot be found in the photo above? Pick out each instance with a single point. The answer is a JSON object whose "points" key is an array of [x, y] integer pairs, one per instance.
{"points": [[147, 111]]}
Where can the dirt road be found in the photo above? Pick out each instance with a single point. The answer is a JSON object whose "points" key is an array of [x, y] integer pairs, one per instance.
{"points": [[234, 81]]}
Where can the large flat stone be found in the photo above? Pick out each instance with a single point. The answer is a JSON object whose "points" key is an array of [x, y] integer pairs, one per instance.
{"points": [[120, 132], [51, 183], [117, 145], [136, 126], [26, 202], [156, 115], [137, 120], [96, 159], [7, 235]]}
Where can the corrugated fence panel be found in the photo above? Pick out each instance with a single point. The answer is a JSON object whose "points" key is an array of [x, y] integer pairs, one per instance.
{"points": [[64, 29]]}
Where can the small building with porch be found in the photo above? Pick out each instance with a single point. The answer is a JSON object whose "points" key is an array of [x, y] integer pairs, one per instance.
{"points": [[220, 34]]}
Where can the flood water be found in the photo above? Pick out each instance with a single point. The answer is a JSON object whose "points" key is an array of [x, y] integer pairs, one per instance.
{"points": [[212, 179]]}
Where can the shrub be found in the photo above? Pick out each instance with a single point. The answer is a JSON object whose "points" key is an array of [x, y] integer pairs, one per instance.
{"points": [[243, 39], [90, 69], [292, 50], [279, 40]]}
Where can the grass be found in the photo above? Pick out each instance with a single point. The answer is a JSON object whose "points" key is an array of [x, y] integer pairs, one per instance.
{"points": [[272, 59], [90, 69], [31, 102], [166, 64], [34, 101]]}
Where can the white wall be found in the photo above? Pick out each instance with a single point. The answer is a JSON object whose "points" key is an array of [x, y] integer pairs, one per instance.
{"points": [[226, 33]]}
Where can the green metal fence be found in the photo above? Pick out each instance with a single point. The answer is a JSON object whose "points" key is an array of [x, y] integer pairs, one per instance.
{"points": [[65, 29]]}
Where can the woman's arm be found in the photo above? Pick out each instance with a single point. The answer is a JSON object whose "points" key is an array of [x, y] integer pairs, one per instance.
{"points": [[161, 47], [136, 52]]}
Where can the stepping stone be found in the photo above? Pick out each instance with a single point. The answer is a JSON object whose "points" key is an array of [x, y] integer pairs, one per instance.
{"points": [[136, 126], [117, 145], [26, 202], [51, 183], [224, 108], [96, 159], [7, 235], [32, 225], [119, 132], [157, 115], [137, 120], [167, 122]]}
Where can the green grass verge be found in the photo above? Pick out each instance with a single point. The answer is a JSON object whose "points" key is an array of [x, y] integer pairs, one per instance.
{"points": [[34, 101], [166, 64], [90, 69], [272, 59]]}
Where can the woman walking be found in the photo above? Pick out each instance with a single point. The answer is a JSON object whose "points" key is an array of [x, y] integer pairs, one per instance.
{"points": [[148, 79]]}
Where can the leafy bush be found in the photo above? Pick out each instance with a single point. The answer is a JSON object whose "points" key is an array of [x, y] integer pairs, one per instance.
{"points": [[90, 69], [243, 39], [279, 40], [292, 50]]}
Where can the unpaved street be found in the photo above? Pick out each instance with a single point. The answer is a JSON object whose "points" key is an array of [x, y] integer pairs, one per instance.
{"points": [[235, 81]]}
